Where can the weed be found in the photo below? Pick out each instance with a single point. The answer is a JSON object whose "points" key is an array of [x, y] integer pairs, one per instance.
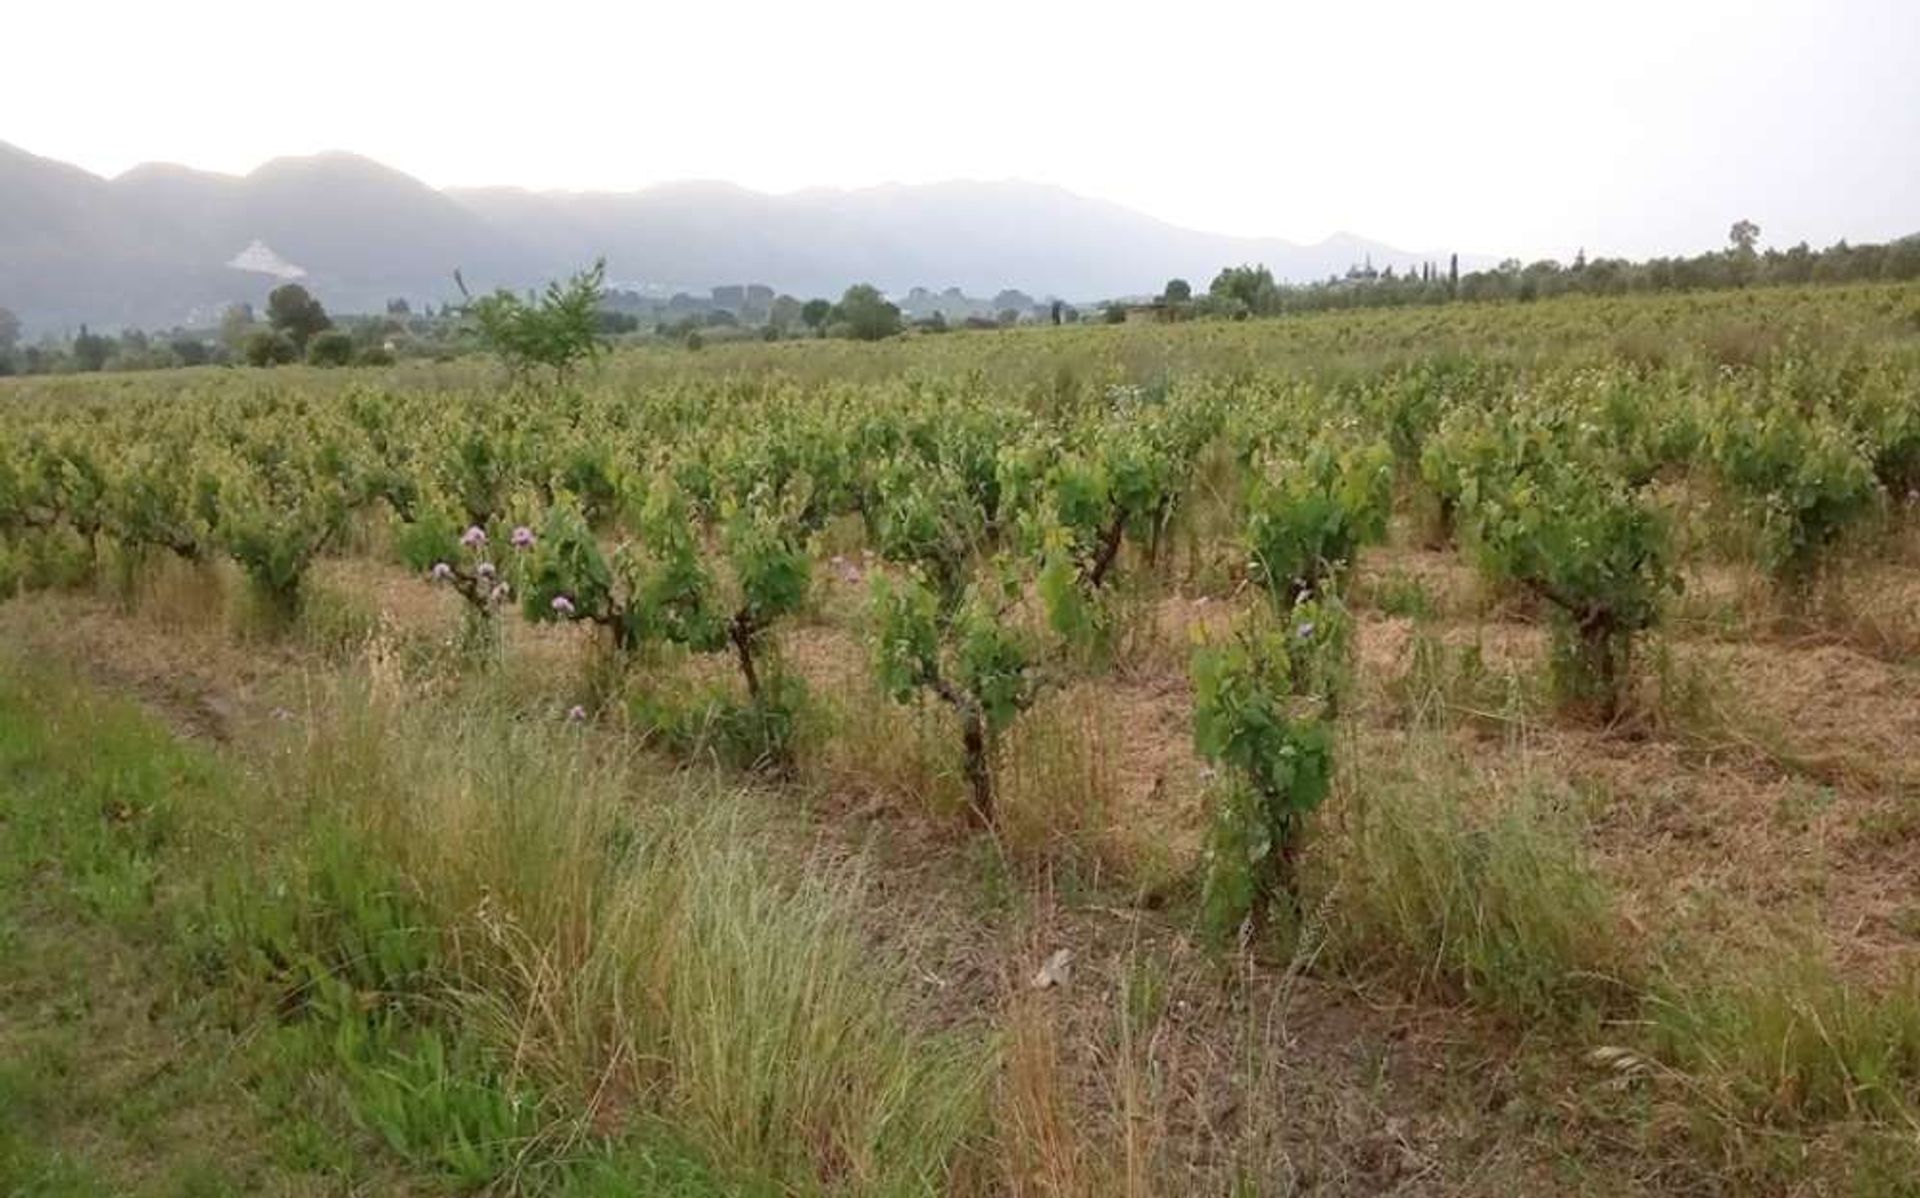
{"points": [[1057, 786], [1456, 886], [1402, 595], [1788, 1042]]}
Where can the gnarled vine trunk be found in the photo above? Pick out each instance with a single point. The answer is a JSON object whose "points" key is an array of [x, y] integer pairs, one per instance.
{"points": [[741, 632], [974, 740]]}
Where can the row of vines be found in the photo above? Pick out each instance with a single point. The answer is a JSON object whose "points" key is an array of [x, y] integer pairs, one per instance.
{"points": [[691, 514]]}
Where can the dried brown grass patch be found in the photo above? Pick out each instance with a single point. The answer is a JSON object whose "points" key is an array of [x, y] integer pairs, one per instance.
{"points": [[410, 603], [863, 745], [1822, 709], [1392, 578], [196, 679], [183, 596]]}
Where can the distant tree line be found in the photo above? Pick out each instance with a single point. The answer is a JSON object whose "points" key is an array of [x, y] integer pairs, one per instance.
{"points": [[296, 329], [1239, 291], [862, 314], [556, 330]]}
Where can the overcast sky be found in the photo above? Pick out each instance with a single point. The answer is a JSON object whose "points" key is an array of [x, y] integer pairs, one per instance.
{"points": [[1532, 127]]}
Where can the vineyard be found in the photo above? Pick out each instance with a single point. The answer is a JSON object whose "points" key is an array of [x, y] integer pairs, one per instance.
{"points": [[1520, 698]]}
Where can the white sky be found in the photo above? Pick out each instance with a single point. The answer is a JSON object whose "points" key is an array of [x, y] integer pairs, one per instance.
{"points": [[1526, 127]]}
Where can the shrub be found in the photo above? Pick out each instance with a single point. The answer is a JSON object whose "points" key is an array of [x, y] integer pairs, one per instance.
{"points": [[1565, 519], [333, 347], [1598, 552], [665, 591], [269, 348], [1257, 718], [557, 332], [1802, 475], [866, 314], [1308, 516], [968, 655]]}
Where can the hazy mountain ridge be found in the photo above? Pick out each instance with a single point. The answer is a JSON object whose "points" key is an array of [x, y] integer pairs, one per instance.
{"points": [[154, 244]]}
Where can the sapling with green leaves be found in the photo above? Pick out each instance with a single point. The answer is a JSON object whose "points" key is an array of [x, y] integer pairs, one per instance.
{"points": [[1118, 480], [275, 511], [925, 518], [1266, 696], [1881, 409], [57, 484], [388, 469], [662, 589], [944, 624], [463, 560], [1597, 550], [1088, 503], [657, 589], [19, 497], [1408, 404], [156, 504], [483, 453], [772, 573], [556, 332]]}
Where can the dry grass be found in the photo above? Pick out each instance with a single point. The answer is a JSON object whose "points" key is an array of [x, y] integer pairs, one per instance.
{"points": [[1463, 882], [645, 960], [184, 597], [1048, 1154], [1056, 782]]}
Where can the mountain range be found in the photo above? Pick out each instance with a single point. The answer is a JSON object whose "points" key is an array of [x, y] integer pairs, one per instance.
{"points": [[162, 245]]}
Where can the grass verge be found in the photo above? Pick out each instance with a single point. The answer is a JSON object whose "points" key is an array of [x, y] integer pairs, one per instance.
{"points": [[431, 950]]}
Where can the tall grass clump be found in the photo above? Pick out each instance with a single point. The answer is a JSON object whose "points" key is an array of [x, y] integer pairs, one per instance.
{"points": [[1059, 782], [1791, 1042], [645, 964], [1454, 885]]}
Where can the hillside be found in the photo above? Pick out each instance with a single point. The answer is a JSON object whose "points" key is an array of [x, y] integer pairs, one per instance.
{"points": [[158, 245]]}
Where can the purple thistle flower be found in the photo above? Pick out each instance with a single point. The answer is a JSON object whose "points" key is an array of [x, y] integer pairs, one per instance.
{"points": [[562, 605], [576, 714], [441, 572], [1305, 631], [522, 537], [474, 537], [500, 592], [484, 570]]}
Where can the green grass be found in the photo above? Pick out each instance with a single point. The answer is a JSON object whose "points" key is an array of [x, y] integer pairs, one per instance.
{"points": [[1402, 594], [651, 958], [110, 1082], [1459, 886], [1794, 1043], [426, 952]]}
